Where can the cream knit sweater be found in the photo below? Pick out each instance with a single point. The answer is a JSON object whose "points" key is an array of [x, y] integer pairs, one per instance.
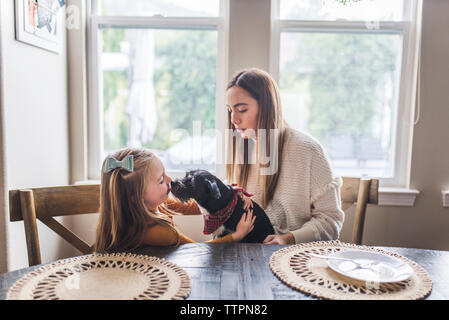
{"points": [[306, 201]]}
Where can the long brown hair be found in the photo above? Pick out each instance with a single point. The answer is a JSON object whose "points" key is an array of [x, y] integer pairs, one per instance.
{"points": [[123, 215], [262, 87]]}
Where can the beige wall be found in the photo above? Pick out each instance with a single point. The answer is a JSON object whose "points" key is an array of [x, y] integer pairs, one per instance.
{"points": [[3, 187], [35, 128], [249, 35], [77, 89]]}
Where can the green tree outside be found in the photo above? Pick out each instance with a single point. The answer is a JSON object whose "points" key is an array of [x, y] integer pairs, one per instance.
{"points": [[184, 79], [342, 74]]}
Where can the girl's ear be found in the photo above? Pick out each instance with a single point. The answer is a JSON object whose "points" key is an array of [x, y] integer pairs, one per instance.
{"points": [[212, 187]]}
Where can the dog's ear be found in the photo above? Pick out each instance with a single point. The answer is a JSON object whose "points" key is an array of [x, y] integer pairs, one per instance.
{"points": [[213, 189]]}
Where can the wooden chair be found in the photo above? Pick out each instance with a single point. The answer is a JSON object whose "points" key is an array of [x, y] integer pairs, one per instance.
{"points": [[361, 191], [46, 203]]}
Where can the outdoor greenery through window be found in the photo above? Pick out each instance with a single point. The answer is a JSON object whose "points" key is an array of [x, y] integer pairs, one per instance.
{"points": [[159, 81], [341, 84]]}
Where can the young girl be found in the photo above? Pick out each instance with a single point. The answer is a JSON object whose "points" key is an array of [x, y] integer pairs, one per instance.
{"points": [[135, 208]]}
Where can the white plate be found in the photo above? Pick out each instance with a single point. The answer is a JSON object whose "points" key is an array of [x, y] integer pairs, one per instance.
{"points": [[389, 268]]}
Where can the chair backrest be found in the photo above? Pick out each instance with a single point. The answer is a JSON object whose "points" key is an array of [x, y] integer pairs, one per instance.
{"points": [[46, 203], [361, 191]]}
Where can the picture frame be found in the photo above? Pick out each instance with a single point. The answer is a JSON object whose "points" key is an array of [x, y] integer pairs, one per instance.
{"points": [[40, 23]]}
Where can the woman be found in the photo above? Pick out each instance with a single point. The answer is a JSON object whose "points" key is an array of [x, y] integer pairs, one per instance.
{"points": [[295, 186]]}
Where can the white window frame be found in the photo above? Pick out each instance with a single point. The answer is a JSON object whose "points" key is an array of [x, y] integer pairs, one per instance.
{"points": [[404, 116], [95, 85]]}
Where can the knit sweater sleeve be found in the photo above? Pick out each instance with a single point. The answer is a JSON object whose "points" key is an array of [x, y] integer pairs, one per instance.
{"points": [[326, 213]]}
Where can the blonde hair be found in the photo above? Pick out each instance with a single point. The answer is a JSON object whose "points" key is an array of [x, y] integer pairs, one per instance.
{"points": [[262, 87], [124, 216]]}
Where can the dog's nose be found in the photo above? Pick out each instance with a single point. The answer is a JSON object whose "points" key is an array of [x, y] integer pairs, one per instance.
{"points": [[175, 183]]}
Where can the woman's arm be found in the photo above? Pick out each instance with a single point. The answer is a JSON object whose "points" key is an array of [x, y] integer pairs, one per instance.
{"points": [[287, 238], [326, 214]]}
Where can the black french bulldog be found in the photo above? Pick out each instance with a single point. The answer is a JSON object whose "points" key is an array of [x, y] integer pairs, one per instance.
{"points": [[214, 196]]}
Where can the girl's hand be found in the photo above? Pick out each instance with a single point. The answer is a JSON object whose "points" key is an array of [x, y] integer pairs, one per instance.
{"points": [[245, 226], [248, 203], [280, 239]]}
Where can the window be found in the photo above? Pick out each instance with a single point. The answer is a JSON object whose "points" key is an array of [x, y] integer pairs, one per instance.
{"points": [[156, 74], [345, 73]]}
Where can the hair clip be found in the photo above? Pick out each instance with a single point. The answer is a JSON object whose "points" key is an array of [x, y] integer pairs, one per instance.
{"points": [[127, 163]]}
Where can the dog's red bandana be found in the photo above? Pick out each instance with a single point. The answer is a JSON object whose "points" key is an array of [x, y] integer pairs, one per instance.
{"points": [[214, 221]]}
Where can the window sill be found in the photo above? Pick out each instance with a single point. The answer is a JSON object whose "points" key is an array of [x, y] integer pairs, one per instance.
{"points": [[401, 197], [87, 182]]}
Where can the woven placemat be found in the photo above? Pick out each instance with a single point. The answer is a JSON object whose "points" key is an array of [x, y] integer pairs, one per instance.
{"points": [[312, 276], [118, 276]]}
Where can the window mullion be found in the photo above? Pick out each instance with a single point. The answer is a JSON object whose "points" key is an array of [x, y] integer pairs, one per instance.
{"points": [[220, 93], [152, 22], [95, 123], [275, 40]]}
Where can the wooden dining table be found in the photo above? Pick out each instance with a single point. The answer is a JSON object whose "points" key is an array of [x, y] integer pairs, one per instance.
{"points": [[237, 271]]}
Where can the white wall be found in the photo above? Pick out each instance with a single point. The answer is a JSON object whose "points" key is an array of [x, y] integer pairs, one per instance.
{"points": [[34, 86]]}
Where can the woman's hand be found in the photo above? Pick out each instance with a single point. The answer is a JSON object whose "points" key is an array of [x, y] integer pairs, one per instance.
{"points": [[287, 238], [245, 226]]}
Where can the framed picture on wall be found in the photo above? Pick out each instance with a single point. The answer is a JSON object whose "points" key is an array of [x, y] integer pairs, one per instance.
{"points": [[40, 23]]}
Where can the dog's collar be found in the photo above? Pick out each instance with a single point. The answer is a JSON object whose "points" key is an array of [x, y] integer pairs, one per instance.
{"points": [[241, 190], [214, 221]]}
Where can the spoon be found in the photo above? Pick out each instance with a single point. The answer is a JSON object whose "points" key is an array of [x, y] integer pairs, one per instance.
{"points": [[359, 265]]}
